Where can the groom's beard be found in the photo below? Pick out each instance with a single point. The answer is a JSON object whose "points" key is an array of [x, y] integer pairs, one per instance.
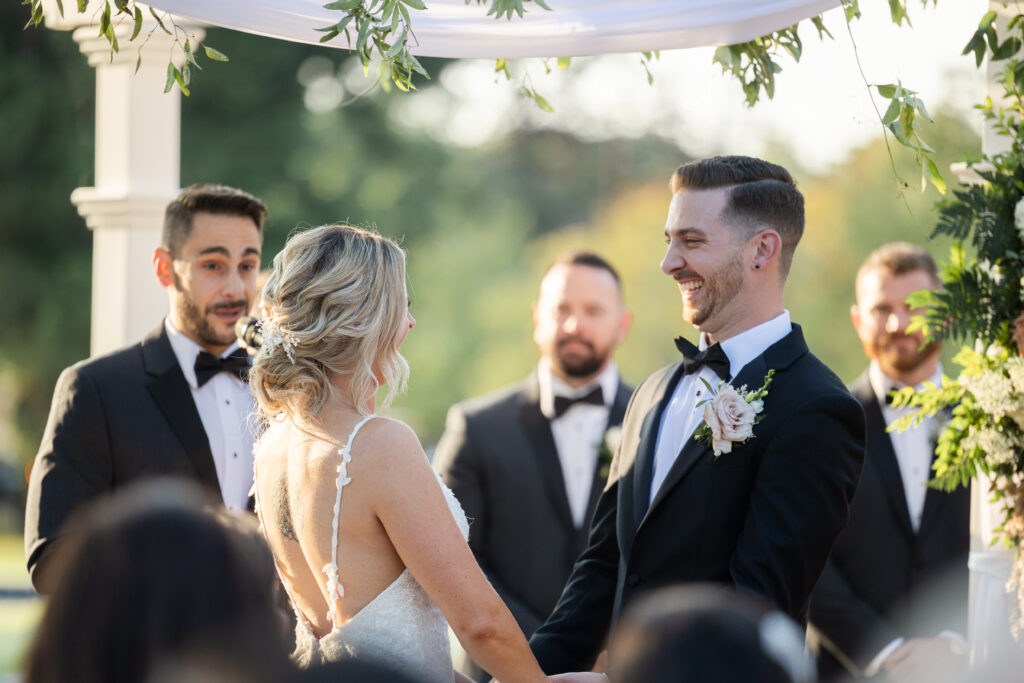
{"points": [[575, 364]]}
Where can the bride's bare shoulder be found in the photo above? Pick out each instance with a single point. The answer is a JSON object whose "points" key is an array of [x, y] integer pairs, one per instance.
{"points": [[389, 438]]}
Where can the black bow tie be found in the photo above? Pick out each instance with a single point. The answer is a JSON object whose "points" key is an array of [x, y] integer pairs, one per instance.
{"points": [[712, 357], [208, 365], [563, 403]]}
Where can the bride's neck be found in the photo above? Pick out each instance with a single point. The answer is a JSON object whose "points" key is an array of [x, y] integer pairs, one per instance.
{"points": [[341, 399]]}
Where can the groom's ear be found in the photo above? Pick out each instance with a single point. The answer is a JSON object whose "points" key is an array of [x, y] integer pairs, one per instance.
{"points": [[855, 317], [768, 246]]}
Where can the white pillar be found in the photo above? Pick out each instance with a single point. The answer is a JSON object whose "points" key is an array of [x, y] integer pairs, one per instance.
{"points": [[138, 132]]}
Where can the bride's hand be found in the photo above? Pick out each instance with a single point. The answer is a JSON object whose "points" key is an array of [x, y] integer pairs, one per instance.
{"points": [[580, 677]]}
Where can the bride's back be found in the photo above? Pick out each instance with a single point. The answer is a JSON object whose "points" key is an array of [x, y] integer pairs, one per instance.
{"points": [[296, 486]]}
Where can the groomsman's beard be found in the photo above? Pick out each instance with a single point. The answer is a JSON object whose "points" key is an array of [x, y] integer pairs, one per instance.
{"points": [[195, 323], [576, 365], [890, 355]]}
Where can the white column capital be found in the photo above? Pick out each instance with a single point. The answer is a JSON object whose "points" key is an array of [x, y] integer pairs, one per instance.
{"points": [[97, 48], [106, 210], [968, 175]]}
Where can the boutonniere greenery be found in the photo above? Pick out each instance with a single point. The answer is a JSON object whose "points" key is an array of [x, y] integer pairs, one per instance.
{"points": [[606, 450], [730, 415]]}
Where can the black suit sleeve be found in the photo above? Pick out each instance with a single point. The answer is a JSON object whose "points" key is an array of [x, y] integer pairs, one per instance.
{"points": [[849, 623], [575, 633], [800, 502], [73, 466], [461, 467]]}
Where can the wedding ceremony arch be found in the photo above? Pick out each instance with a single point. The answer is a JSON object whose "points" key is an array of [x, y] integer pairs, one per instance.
{"points": [[138, 139]]}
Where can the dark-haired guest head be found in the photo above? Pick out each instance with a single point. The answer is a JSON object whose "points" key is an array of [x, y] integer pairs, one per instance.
{"points": [[150, 578], [702, 632]]}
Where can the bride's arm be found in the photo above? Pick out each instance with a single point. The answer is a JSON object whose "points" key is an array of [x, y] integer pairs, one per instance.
{"points": [[411, 506]]}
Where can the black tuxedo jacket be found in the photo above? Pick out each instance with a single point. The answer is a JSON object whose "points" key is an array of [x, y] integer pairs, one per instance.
{"points": [[883, 580], [114, 419], [762, 518], [498, 456]]}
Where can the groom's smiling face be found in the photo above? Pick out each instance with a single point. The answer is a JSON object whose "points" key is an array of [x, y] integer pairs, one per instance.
{"points": [[704, 256]]}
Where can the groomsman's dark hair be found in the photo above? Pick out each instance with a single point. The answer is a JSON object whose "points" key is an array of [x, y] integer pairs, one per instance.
{"points": [[762, 195], [899, 258], [584, 257], [209, 198]]}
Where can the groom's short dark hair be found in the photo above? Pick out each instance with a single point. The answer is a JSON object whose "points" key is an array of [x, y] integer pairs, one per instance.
{"points": [[762, 195]]}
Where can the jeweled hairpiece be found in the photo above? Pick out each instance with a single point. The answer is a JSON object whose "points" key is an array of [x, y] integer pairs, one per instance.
{"points": [[274, 336]]}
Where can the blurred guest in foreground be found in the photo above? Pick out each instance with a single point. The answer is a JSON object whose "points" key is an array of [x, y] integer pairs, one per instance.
{"points": [[704, 633], [152, 583], [541, 441], [892, 600]]}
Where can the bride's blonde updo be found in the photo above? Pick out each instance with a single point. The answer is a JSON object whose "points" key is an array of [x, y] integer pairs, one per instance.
{"points": [[335, 301]]}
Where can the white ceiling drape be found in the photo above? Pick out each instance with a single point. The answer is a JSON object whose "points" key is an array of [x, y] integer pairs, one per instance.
{"points": [[451, 28]]}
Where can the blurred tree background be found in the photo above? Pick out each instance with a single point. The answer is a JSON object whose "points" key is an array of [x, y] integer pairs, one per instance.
{"points": [[480, 223]]}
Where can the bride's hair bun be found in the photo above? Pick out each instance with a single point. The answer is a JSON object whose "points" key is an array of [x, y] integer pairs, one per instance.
{"points": [[337, 295]]}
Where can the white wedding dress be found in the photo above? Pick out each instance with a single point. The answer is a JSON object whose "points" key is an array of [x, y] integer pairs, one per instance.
{"points": [[401, 627]]}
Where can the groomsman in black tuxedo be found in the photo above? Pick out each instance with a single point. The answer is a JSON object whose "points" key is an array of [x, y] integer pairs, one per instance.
{"points": [[173, 404], [893, 598], [753, 504], [526, 461]]}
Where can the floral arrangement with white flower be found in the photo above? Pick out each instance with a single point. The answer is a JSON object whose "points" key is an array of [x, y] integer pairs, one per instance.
{"points": [[730, 415], [982, 304]]}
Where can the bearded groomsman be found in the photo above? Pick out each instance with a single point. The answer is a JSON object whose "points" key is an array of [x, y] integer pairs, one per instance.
{"points": [[175, 404], [746, 491], [893, 597], [526, 461]]}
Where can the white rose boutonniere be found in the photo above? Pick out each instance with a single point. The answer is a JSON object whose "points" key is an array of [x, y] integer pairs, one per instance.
{"points": [[730, 415]]}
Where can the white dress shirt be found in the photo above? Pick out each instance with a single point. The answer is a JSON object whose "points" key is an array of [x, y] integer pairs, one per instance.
{"points": [[914, 449], [226, 410], [578, 432], [682, 416]]}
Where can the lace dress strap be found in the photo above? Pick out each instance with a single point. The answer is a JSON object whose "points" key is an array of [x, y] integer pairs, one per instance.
{"points": [[335, 591]]}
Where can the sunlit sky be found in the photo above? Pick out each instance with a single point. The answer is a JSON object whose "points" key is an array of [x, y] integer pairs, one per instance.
{"points": [[821, 108]]}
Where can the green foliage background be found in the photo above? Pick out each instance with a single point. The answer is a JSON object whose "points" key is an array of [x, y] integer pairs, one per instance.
{"points": [[479, 224]]}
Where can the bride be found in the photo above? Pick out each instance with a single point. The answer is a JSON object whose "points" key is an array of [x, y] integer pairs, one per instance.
{"points": [[369, 544]]}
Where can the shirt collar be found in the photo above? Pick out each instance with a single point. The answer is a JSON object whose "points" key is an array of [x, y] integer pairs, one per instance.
{"points": [[882, 383], [551, 386], [186, 350], [749, 344]]}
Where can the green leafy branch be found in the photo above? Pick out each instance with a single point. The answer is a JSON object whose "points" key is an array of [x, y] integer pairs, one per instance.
{"points": [[507, 8], [382, 28], [115, 11]]}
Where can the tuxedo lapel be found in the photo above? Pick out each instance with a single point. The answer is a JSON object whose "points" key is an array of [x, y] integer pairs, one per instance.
{"points": [[934, 499], [778, 356], [544, 451], [879, 444], [171, 393], [644, 464], [615, 415]]}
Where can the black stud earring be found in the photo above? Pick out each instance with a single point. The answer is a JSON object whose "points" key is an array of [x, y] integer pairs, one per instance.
{"points": [[757, 266]]}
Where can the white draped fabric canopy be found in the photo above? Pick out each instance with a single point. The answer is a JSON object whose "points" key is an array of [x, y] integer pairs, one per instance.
{"points": [[453, 28]]}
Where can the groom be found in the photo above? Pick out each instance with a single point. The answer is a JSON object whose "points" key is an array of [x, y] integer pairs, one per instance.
{"points": [[757, 513]]}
